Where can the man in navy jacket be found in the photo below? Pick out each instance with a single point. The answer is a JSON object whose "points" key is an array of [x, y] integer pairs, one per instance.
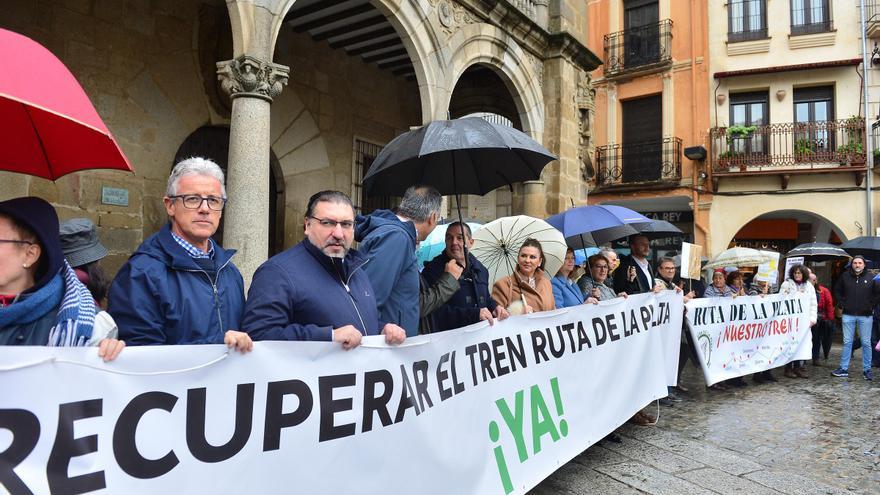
{"points": [[388, 239], [180, 287], [318, 290], [472, 302]]}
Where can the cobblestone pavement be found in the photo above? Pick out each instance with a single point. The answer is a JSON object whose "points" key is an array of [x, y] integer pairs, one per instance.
{"points": [[819, 435]]}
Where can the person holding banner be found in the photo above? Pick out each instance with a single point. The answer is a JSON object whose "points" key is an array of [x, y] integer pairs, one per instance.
{"points": [[669, 281], [318, 290], [736, 282], [42, 302], [180, 287], [635, 276], [527, 286], [798, 282], [719, 287], [761, 288], [472, 302], [566, 292], [595, 284], [856, 294]]}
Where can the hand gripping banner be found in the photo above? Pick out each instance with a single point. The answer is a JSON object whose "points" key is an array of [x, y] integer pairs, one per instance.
{"points": [[489, 410], [748, 334]]}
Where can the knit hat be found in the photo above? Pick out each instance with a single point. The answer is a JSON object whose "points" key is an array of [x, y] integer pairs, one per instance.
{"points": [[39, 216], [79, 241]]}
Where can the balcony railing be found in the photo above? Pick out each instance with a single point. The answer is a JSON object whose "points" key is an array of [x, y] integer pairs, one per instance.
{"points": [[640, 48], [789, 146], [535, 9], [639, 163], [872, 19]]}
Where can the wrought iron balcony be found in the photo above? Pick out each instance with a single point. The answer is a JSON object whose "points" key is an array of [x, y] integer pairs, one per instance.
{"points": [[639, 163], [789, 148], [641, 48]]}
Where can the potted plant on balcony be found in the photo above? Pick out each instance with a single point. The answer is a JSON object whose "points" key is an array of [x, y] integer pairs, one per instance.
{"points": [[852, 153], [803, 150], [735, 132]]}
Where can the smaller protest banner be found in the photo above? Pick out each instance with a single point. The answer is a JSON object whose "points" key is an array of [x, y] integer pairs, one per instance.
{"points": [[690, 260], [747, 334], [790, 262], [769, 271]]}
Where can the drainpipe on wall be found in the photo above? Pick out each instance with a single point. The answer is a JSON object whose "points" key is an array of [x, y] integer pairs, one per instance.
{"points": [[869, 148], [695, 135]]}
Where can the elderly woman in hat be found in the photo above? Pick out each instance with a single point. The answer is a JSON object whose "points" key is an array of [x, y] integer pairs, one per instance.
{"points": [[83, 251], [41, 300]]}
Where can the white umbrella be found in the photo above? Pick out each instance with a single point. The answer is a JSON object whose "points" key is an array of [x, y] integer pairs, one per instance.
{"points": [[739, 256], [497, 244]]}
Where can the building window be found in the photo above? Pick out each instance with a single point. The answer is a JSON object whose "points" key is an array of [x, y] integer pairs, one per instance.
{"points": [[747, 20], [810, 16], [813, 117], [364, 154], [749, 109]]}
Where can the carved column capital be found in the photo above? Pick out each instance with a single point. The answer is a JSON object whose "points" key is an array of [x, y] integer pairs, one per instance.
{"points": [[251, 77]]}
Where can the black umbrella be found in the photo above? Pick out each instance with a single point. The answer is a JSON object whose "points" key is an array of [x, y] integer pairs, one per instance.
{"points": [[818, 251], [461, 156], [658, 229], [866, 246]]}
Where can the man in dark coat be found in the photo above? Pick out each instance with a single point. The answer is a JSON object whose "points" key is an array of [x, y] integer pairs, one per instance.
{"points": [[856, 293], [180, 287], [318, 290], [634, 275], [472, 302]]}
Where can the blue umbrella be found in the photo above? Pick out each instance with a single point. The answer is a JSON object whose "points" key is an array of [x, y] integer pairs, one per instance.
{"points": [[589, 226], [435, 243]]}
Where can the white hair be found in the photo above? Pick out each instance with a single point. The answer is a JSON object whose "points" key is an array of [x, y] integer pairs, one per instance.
{"points": [[195, 166]]}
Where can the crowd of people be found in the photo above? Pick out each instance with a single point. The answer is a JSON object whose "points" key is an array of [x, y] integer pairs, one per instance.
{"points": [[181, 287]]}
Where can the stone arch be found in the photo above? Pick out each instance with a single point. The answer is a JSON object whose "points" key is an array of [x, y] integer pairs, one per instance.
{"points": [[726, 225], [424, 47], [490, 46]]}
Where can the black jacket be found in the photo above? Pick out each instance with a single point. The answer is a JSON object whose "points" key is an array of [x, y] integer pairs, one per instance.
{"points": [[637, 286], [463, 308], [855, 294]]}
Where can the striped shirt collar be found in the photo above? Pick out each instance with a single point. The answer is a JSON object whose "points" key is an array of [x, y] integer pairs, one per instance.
{"points": [[193, 251]]}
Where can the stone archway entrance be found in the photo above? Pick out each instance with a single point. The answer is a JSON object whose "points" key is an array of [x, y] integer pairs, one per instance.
{"points": [[782, 230], [212, 142]]}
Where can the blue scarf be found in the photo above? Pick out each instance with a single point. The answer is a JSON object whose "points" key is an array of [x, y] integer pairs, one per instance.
{"points": [[76, 314]]}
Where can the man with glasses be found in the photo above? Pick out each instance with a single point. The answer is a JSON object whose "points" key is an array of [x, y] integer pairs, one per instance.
{"points": [[318, 289], [180, 287]]}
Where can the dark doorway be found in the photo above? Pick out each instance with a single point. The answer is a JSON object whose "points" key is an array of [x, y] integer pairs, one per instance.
{"points": [[641, 22], [212, 142], [642, 149]]}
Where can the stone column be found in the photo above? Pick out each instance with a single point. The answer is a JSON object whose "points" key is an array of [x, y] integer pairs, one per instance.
{"points": [[542, 13], [535, 198], [251, 83]]}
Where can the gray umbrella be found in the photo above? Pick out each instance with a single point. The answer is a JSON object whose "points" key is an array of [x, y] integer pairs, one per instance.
{"points": [[658, 229], [818, 251]]}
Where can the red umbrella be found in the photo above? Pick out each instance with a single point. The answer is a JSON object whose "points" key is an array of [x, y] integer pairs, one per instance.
{"points": [[48, 126]]}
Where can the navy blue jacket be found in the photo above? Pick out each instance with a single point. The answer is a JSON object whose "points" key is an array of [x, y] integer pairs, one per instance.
{"points": [[463, 308], [162, 296], [303, 294], [390, 245]]}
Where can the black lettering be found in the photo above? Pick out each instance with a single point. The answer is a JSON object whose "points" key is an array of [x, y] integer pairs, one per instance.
{"points": [[470, 351], [124, 437], [276, 418], [330, 406], [498, 356], [407, 397], [196, 413], [567, 328], [67, 447], [442, 375], [582, 337], [646, 316], [377, 404], [556, 353], [612, 326], [539, 342], [457, 386], [25, 428], [599, 323], [517, 352], [420, 374], [486, 361]]}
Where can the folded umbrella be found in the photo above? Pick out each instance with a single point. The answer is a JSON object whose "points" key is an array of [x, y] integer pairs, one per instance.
{"points": [[48, 126]]}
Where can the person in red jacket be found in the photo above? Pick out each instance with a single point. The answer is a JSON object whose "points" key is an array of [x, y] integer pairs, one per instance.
{"points": [[824, 328]]}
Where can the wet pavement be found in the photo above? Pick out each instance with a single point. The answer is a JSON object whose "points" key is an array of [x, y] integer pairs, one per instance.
{"points": [[819, 435]]}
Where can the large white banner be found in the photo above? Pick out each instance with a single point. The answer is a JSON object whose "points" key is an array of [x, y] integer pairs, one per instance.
{"points": [[748, 334], [475, 410]]}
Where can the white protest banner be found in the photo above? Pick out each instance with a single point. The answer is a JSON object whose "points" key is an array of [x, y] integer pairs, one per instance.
{"points": [[488, 410], [748, 334]]}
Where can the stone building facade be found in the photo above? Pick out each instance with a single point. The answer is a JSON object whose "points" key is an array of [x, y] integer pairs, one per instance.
{"points": [[295, 96]]}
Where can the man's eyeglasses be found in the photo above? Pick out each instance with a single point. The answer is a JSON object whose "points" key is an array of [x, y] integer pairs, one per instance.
{"points": [[600, 267], [12, 241], [331, 224], [194, 201]]}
